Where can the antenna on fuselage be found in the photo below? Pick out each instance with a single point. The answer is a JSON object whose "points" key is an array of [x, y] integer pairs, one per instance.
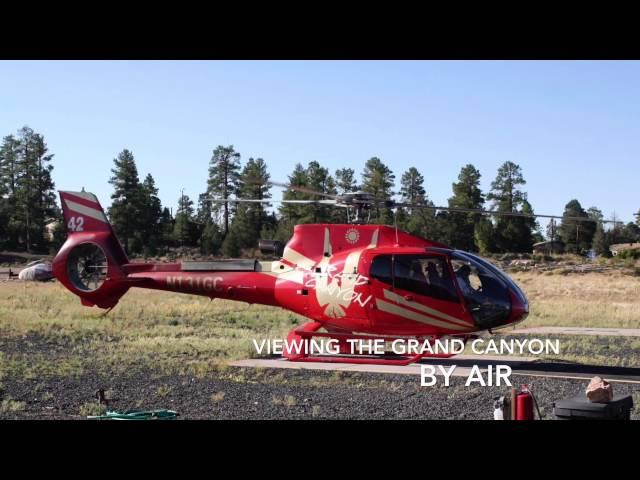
{"points": [[395, 223]]}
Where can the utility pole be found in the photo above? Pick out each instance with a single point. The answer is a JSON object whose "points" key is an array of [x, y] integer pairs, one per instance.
{"points": [[182, 205]]}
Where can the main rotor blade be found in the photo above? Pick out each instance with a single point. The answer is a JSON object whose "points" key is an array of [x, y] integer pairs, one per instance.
{"points": [[298, 188], [250, 200], [506, 214]]}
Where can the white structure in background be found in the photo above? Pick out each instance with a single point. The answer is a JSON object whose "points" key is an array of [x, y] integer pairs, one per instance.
{"points": [[37, 271], [619, 247]]}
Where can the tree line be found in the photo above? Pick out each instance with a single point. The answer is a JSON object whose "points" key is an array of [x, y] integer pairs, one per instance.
{"points": [[28, 207]]}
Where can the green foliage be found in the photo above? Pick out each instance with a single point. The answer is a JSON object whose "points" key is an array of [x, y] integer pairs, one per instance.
{"points": [[316, 178], [630, 253], [513, 233], [461, 227], [484, 236], [59, 234], [211, 239], [576, 235], [9, 405], [378, 180], [28, 198], [136, 212], [125, 212], [417, 221], [250, 218], [630, 233], [345, 181], [601, 241], [92, 409], [185, 230], [224, 174], [231, 244], [412, 186], [165, 228], [30, 218], [150, 216]]}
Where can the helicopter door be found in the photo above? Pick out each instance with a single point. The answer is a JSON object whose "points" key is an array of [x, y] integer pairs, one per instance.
{"points": [[416, 293]]}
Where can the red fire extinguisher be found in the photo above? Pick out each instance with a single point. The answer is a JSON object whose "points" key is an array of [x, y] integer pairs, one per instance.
{"points": [[524, 401]]}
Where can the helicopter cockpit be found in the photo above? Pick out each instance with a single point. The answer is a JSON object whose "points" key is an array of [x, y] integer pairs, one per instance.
{"points": [[490, 295], [484, 291]]}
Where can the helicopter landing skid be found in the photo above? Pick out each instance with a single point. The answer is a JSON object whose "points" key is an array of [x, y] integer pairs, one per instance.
{"points": [[310, 329]]}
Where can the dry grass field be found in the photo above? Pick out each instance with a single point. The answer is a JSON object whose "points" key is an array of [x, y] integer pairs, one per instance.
{"points": [[609, 299], [44, 329]]}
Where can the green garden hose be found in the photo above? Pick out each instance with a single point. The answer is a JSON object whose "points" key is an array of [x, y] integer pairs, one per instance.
{"points": [[136, 415]]}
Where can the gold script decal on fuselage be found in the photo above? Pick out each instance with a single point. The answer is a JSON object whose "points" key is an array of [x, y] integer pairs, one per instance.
{"points": [[335, 290], [207, 284]]}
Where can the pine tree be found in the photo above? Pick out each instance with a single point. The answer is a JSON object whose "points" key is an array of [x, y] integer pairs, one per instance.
{"points": [[8, 181], [166, 229], [576, 235], [630, 233], [292, 214], [150, 216], [462, 226], [125, 212], [184, 230], [552, 230], [513, 234], [345, 181], [412, 186], [601, 241], [224, 172], [319, 180], [595, 214], [211, 238], [32, 200], [250, 218], [484, 236], [417, 221], [378, 180]]}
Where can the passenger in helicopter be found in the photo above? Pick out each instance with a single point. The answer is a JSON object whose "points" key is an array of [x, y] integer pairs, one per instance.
{"points": [[433, 277], [416, 272], [469, 293]]}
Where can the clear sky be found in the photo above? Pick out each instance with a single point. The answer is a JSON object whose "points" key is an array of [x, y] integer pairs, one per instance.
{"points": [[572, 126]]}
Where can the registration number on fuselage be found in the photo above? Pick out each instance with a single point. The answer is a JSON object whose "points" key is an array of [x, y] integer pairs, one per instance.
{"points": [[208, 284]]}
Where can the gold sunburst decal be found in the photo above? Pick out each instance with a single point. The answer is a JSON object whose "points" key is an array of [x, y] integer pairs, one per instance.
{"points": [[352, 236]]}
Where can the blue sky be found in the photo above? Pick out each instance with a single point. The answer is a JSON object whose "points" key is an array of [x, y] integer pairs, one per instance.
{"points": [[572, 126]]}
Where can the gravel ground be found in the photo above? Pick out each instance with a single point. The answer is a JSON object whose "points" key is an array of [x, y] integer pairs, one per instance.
{"points": [[248, 393], [238, 393]]}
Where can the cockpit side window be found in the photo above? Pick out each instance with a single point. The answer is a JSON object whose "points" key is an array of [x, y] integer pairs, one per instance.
{"points": [[381, 269], [424, 275]]}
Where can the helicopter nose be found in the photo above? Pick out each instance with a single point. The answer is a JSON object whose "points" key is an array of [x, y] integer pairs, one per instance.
{"points": [[519, 307]]}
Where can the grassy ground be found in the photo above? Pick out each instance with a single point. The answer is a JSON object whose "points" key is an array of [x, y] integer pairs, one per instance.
{"points": [[186, 334], [607, 299], [172, 332]]}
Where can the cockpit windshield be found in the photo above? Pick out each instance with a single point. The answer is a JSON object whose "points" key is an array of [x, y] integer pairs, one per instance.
{"points": [[484, 289]]}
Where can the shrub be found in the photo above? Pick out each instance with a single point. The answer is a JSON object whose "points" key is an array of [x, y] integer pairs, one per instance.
{"points": [[92, 409], [632, 253], [11, 405]]}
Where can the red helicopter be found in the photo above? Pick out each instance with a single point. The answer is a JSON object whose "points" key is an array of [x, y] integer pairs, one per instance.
{"points": [[352, 281]]}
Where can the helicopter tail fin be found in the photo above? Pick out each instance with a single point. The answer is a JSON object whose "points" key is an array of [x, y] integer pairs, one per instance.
{"points": [[83, 213]]}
